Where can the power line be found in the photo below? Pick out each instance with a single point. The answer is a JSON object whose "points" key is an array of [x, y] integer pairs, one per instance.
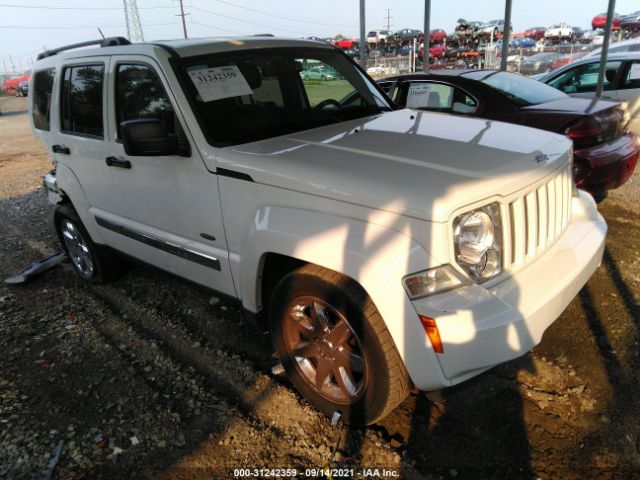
{"points": [[262, 12], [216, 28], [81, 8], [73, 27], [250, 23]]}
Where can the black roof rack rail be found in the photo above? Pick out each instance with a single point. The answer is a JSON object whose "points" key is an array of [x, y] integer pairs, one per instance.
{"points": [[103, 42]]}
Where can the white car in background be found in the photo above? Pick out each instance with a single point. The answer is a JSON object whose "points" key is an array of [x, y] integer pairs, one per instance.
{"points": [[559, 31], [377, 36], [376, 70]]}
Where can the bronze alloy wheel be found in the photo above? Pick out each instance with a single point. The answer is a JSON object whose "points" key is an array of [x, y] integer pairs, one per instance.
{"points": [[325, 349]]}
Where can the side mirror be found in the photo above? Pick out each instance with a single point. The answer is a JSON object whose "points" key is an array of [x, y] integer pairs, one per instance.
{"points": [[147, 137]]}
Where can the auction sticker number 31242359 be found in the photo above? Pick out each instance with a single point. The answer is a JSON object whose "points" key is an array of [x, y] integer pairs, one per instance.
{"points": [[214, 83]]}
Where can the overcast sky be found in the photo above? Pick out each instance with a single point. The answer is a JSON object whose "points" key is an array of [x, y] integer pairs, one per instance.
{"points": [[51, 23]]}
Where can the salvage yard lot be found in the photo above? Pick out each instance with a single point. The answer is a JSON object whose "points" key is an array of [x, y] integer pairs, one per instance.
{"points": [[147, 377]]}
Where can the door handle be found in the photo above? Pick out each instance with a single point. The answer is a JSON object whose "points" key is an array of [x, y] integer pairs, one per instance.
{"points": [[118, 162], [61, 149]]}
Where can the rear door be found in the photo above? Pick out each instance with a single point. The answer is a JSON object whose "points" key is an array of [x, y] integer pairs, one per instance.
{"points": [[629, 85], [167, 209], [629, 91], [81, 140]]}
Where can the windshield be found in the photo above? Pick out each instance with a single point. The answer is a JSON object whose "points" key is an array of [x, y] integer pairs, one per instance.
{"points": [[520, 90], [250, 95]]}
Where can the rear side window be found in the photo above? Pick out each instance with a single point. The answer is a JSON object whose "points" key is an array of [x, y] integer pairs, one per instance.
{"points": [[81, 100], [41, 91], [437, 97], [632, 77], [140, 94]]}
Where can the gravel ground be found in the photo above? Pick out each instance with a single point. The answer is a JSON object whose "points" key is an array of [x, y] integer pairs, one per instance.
{"points": [[149, 378]]}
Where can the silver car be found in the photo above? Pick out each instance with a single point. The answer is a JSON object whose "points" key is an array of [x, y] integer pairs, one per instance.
{"points": [[579, 78]]}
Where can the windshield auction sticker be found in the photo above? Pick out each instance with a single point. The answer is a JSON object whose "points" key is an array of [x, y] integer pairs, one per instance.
{"points": [[418, 96], [219, 82]]}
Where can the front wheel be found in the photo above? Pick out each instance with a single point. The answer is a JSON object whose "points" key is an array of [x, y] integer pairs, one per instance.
{"points": [[335, 346]]}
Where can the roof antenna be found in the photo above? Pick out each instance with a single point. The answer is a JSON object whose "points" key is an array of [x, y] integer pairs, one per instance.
{"points": [[102, 34]]}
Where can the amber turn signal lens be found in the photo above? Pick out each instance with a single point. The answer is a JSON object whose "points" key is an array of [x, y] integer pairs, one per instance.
{"points": [[430, 327]]}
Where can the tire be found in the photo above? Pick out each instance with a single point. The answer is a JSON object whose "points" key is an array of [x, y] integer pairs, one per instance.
{"points": [[306, 77], [92, 263], [365, 383], [323, 78]]}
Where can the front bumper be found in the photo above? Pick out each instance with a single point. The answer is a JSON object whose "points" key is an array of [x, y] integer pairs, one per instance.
{"points": [[482, 327]]}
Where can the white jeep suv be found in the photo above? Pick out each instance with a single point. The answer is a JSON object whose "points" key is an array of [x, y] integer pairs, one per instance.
{"points": [[383, 248]]}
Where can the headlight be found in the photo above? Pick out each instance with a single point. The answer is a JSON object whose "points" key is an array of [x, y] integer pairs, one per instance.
{"points": [[477, 239], [432, 281]]}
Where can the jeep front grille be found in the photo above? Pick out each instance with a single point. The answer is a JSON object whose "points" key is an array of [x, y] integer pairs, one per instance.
{"points": [[539, 217]]}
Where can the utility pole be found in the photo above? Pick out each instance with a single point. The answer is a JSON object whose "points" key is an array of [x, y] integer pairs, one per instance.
{"points": [[389, 17], [605, 48], [506, 34], [427, 35], [363, 38], [184, 23]]}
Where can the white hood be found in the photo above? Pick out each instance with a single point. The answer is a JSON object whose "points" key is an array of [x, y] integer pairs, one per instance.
{"points": [[413, 163]]}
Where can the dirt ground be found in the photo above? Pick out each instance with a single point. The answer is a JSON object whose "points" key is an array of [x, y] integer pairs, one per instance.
{"points": [[149, 378]]}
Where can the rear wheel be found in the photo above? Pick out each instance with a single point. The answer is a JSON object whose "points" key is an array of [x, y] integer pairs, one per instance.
{"points": [[335, 347], [93, 263]]}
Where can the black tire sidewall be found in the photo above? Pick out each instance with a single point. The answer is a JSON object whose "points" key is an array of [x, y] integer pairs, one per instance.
{"points": [[373, 400]]}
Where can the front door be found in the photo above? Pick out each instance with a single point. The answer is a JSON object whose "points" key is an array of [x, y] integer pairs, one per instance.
{"points": [[168, 209]]}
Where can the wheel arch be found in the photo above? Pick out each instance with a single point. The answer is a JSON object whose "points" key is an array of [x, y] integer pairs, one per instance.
{"points": [[375, 257], [73, 193]]}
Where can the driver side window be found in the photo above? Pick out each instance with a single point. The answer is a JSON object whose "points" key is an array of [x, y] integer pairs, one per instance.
{"points": [[323, 84]]}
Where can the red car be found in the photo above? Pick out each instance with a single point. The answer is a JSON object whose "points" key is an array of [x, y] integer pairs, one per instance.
{"points": [[347, 44], [437, 35], [10, 87], [566, 59], [605, 152], [537, 33], [600, 21], [435, 51]]}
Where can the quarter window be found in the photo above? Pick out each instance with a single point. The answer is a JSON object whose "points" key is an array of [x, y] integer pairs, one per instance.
{"points": [[42, 89], [140, 94], [81, 102], [632, 78], [436, 96]]}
